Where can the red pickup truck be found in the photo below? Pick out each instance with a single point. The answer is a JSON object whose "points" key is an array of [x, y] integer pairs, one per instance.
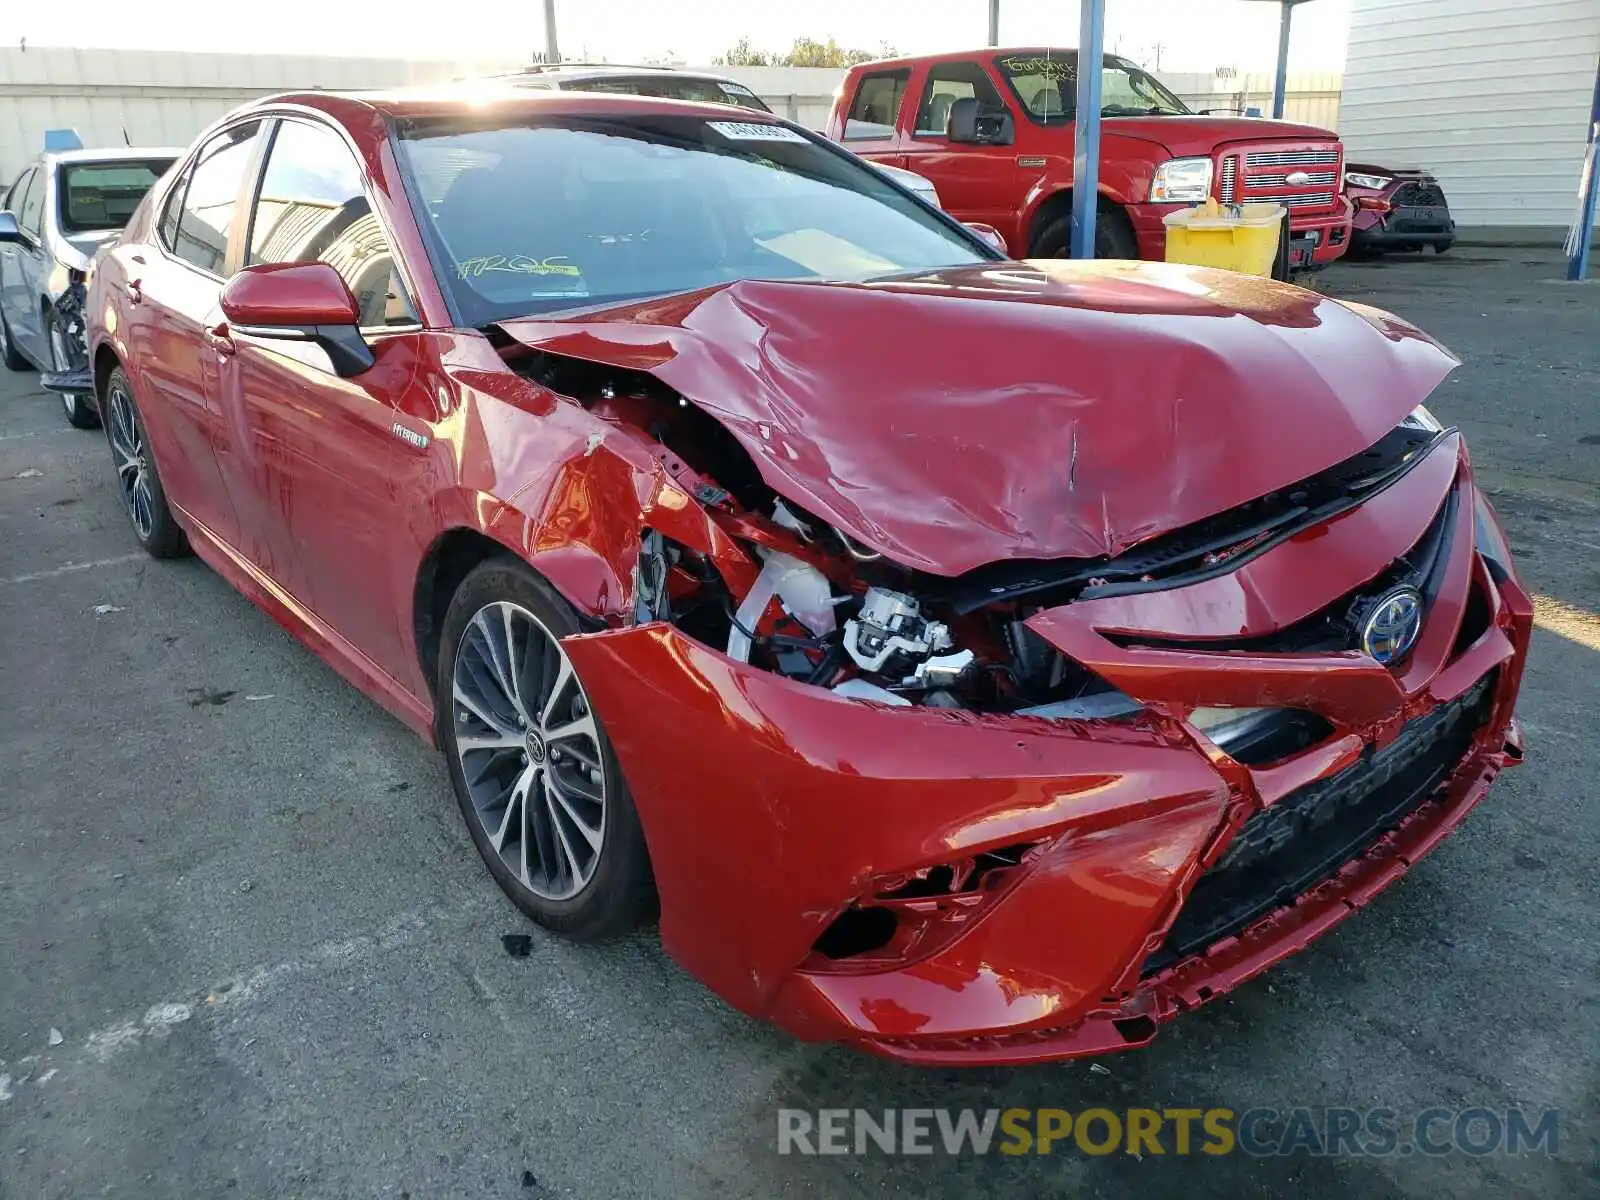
{"points": [[993, 130]]}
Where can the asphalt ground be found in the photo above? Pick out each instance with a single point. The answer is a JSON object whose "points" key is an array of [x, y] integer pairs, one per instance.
{"points": [[246, 947]]}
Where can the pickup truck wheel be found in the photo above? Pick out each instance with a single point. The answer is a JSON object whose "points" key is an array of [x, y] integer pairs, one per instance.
{"points": [[9, 352], [1113, 237]]}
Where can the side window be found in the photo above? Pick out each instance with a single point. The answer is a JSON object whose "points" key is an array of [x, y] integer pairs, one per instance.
{"points": [[877, 105], [947, 83], [19, 188], [173, 209], [31, 216], [313, 207], [211, 197]]}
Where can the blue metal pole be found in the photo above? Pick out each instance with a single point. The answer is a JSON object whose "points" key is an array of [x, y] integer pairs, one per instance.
{"points": [[1280, 85], [1086, 126], [1582, 239]]}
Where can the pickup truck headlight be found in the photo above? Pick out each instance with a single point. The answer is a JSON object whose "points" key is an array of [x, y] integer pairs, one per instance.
{"points": [[1361, 180], [1181, 180]]}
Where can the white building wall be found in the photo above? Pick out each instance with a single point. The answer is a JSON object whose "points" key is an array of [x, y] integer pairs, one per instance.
{"points": [[165, 98], [1493, 96]]}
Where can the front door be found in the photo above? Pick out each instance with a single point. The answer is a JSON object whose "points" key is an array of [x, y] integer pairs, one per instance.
{"points": [[319, 454], [975, 183]]}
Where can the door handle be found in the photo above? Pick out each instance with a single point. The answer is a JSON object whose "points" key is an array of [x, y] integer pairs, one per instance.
{"points": [[218, 339], [135, 292]]}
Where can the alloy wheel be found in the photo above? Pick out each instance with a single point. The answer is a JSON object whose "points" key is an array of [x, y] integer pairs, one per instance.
{"points": [[132, 459], [529, 751]]}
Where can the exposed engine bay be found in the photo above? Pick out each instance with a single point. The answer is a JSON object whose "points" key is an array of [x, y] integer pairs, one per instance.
{"points": [[823, 609], [817, 606]]}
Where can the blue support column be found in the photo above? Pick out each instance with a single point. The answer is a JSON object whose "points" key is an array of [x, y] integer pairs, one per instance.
{"points": [[1581, 239], [1086, 126], [1280, 85]]}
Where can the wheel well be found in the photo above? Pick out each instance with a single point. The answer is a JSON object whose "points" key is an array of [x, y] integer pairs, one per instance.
{"points": [[105, 361], [1058, 205], [447, 563]]}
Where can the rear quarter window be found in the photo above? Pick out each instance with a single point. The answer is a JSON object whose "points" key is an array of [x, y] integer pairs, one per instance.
{"points": [[876, 106]]}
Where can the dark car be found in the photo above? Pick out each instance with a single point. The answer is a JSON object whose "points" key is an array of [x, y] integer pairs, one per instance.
{"points": [[972, 660], [1397, 210], [63, 207]]}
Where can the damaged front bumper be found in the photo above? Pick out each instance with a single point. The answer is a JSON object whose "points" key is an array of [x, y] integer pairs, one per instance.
{"points": [[943, 886]]}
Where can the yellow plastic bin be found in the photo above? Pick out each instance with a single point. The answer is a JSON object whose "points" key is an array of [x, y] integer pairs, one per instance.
{"points": [[1236, 237]]}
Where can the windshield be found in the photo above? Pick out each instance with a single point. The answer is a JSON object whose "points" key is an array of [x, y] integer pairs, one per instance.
{"points": [[541, 215], [670, 87], [1046, 82], [103, 195]]}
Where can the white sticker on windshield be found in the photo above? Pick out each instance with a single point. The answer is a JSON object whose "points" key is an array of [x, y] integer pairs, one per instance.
{"points": [[755, 131]]}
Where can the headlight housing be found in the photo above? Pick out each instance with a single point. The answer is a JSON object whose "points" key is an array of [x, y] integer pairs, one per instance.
{"points": [[1361, 179], [1181, 180]]}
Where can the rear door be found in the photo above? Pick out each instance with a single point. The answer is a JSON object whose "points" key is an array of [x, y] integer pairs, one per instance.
{"points": [[317, 458], [870, 125], [13, 293], [32, 261], [975, 183], [174, 284]]}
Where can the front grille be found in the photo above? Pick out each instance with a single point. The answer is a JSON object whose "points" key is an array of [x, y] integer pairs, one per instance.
{"points": [[1265, 177], [1303, 839], [1418, 195], [1291, 158], [1310, 200], [1324, 178]]}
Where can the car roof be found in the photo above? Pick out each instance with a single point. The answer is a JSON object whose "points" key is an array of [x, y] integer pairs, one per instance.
{"points": [[479, 95], [607, 71], [113, 154], [908, 60]]}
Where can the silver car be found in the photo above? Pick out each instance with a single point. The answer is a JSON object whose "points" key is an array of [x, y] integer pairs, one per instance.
{"points": [[63, 207]]}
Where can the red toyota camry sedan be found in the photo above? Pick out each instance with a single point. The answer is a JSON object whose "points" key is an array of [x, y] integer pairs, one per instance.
{"points": [[970, 659]]}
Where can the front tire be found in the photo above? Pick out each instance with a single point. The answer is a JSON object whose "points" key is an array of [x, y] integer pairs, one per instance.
{"points": [[138, 482], [1113, 236], [540, 789]]}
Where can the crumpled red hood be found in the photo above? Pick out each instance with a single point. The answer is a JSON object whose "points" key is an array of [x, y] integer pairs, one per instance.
{"points": [[1022, 410]]}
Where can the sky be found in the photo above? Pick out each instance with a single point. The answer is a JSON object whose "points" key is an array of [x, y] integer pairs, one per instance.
{"points": [[1189, 35]]}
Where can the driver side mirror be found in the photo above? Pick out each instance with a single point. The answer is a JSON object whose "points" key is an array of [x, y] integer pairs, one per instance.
{"points": [[969, 124], [302, 302], [10, 231]]}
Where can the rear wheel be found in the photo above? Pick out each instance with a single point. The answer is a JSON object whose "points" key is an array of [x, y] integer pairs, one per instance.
{"points": [[1442, 247], [1113, 236], [9, 354], [137, 480], [540, 789]]}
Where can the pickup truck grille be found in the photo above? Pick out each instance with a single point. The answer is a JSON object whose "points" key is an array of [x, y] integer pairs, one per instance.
{"points": [[1262, 174]]}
